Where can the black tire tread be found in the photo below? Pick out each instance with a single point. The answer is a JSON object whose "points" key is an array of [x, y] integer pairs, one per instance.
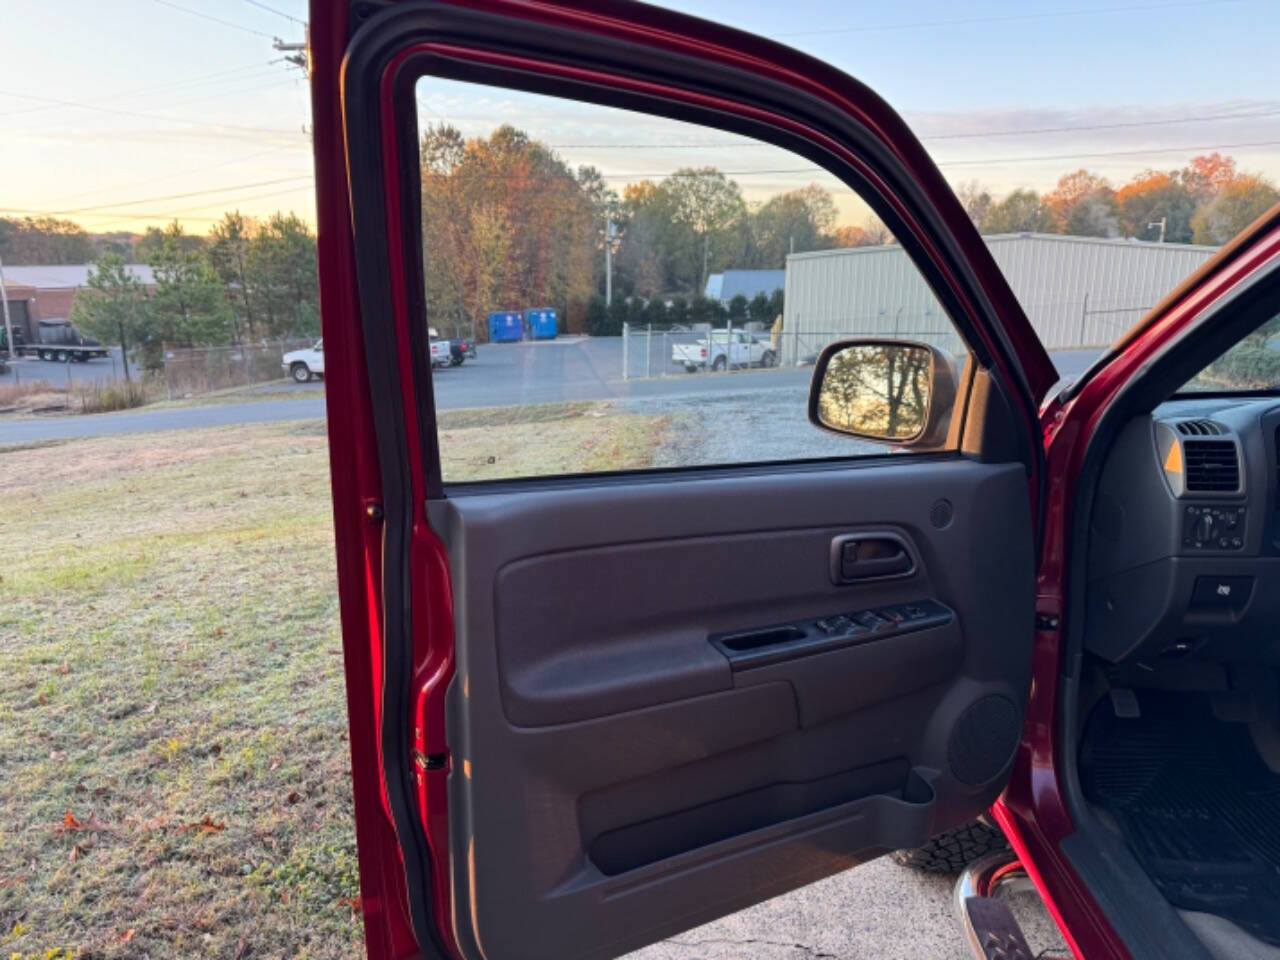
{"points": [[952, 851]]}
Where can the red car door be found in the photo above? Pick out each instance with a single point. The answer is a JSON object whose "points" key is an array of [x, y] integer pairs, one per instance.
{"points": [[549, 761]]}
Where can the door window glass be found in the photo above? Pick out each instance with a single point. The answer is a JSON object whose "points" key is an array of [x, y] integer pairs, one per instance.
{"points": [[640, 292]]}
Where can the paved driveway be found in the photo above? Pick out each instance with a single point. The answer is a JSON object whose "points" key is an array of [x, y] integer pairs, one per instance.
{"points": [[878, 911], [503, 374]]}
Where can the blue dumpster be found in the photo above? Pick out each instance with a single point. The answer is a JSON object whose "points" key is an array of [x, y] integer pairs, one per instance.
{"points": [[506, 327], [541, 323]]}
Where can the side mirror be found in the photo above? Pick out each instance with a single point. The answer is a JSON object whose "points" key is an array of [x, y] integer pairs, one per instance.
{"points": [[890, 391]]}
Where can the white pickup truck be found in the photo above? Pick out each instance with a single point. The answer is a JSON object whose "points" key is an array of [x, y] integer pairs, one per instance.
{"points": [[736, 348]]}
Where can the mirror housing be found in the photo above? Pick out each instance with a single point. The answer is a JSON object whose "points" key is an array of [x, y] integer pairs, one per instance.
{"points": [[899, 392]]}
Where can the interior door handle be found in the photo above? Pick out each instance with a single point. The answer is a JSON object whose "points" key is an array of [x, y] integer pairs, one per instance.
{"points": [[870, 556]]}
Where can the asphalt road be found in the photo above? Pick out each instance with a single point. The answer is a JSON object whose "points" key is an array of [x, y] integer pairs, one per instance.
{"points": [[501, 375]]}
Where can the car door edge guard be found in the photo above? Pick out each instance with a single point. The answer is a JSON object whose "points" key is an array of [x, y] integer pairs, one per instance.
{"points": [[375, 145]]}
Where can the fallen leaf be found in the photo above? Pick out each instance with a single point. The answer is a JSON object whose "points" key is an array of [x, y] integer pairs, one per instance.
{"points": [[352, 902], [99, 791], [242, 949], [42, 697], [292, 798], [207, 825], [57, 756], [65, 668], [284, 896], [150, 708], [69, 823], [79, 850], [215, 748], [127, 935], [217, 631]]}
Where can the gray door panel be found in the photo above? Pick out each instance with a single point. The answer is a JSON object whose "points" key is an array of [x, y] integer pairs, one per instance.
{"points": [[617, 777]]}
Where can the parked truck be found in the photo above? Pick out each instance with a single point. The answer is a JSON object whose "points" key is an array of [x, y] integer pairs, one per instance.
{"points": [[51, 339], [727, 348]]}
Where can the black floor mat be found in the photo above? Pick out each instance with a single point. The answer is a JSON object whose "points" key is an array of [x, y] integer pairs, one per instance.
{"points": [[1198, 807]]}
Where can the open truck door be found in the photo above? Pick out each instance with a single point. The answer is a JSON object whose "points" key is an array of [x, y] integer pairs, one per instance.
{"points": [[589, 711]]}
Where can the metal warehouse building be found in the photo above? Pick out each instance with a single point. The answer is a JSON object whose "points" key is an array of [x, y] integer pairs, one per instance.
{"points": [[1077, 291]]}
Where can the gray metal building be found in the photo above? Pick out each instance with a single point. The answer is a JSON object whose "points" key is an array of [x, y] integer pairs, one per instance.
{"points": [[1077, 291]]}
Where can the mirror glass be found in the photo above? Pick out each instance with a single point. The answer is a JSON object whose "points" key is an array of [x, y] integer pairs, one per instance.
{"points": [[878, 390]]}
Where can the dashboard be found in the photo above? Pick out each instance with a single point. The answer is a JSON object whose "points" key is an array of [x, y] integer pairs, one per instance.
{"points": [[1184, 546]]}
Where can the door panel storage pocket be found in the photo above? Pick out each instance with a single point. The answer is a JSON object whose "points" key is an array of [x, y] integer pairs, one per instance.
{"points": [[636, 845]]}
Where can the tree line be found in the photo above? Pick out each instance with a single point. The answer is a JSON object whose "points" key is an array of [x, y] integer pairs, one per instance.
{"points": [[508, 225], [1208, 201], [248, 281]]}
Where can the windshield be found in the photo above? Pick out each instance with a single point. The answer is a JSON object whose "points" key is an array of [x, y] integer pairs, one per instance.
{"points": [[1252, 364]]}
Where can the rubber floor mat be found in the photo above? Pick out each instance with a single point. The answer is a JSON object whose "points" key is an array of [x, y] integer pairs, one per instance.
{"points": [[1197, 806]]}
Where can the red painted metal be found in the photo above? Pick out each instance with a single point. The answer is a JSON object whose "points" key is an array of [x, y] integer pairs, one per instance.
{"points": [[356, 484], [1031, 811], [431, 585]]}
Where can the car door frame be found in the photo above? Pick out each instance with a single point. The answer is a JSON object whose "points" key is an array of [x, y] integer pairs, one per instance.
{"points": [[1040, 811], [398, 628]]}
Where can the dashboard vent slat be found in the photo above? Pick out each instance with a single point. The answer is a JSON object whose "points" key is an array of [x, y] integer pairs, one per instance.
{"points": [[1213, 466], [1200, 428]]}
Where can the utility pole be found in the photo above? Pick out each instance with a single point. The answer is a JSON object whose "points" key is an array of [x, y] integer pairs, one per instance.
{"points": [[295, 53], [8, 325], [608, 260], [1158, 223]]}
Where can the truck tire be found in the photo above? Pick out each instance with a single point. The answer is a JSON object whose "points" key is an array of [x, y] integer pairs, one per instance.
{"points": [[769, 359], [952, 851], [62, 356], [46, 354], [720, 363], [300, 372]]}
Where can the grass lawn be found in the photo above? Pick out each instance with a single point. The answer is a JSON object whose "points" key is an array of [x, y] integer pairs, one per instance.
{"points": [[174, 775]]}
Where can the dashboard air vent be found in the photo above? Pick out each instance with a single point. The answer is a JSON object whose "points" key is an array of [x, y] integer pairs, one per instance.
{"points": [[1212, 466], [1200, 428]]}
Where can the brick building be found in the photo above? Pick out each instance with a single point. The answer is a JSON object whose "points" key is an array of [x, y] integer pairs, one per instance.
{"points": [[45, 294]]}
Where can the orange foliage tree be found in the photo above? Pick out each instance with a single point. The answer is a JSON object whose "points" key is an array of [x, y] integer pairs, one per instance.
{"points": [[506, 225]]}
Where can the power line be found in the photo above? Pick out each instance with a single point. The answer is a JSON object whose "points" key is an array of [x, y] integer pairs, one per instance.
{"points": [[83, 105], [278, 13], [212, 19], [1012, 18], [1110, 153], [975, 135], [192, 81], [178, 196], [1106, 126]]}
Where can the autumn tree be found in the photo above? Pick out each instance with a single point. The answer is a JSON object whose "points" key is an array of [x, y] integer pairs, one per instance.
{"points": [[798, 220], [1082, 205], [506, 225], [43, 240], [976, 200], [873, 234], [1022, 211], [1152, 196], [1233, 208], [710, 208]]}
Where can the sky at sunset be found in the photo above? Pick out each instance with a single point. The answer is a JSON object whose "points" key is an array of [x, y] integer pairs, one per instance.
{"points": [[131, 113]]}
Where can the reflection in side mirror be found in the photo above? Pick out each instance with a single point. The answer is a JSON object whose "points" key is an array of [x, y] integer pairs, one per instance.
{"points": [[892, 391]]}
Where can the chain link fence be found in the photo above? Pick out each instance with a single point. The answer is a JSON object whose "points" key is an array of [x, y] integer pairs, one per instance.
{"points": [[652, 351], [189, 371]]}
